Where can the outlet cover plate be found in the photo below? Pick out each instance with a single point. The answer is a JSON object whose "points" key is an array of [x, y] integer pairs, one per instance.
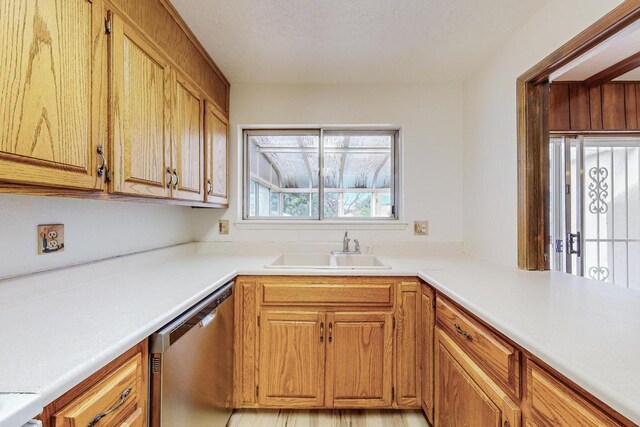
{"points": [[223, 226], [421, 228], [50, 238]]}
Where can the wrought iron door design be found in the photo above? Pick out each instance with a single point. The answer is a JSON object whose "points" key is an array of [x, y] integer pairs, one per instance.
{"points": [[595, 208]]}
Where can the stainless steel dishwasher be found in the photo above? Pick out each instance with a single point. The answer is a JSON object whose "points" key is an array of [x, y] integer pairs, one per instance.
{"points": [[191, 360]]}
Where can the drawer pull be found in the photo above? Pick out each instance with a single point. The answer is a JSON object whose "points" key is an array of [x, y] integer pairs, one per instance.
{"points": [[330, 332], [462, 332], [120, 402]]}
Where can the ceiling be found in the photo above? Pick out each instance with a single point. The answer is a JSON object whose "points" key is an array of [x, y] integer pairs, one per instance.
{"points": [[352, 41]]}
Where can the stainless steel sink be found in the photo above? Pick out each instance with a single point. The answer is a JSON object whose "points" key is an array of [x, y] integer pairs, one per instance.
{"points": [[340, 261]]}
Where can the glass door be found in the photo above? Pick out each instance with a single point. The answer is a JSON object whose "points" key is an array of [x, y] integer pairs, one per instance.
{"points": [[595, 208]]}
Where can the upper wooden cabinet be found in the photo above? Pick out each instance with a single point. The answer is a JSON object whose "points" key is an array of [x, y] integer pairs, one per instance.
{"points": [[188, 142], [216, 163], [53, 86], [97, 92], [140, 114]]}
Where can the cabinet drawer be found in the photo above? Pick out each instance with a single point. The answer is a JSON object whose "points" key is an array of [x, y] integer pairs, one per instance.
{"points": [[119, 396], [497, 357], [554, 404], [327, 292]]}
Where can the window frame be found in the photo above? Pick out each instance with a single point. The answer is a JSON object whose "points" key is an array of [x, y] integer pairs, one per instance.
{"points": [[394, 132]]}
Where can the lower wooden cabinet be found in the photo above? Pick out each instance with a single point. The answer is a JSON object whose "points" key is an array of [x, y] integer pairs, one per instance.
{"points": [[359, 360], [427, 302], [551, 403], [465, 395], [116, 395], [320, 359], [292, 359], [408, 331]]}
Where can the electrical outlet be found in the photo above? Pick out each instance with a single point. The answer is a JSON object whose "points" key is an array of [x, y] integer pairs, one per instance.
{"points": [[223, 226], [50, 238], [421, 228]]}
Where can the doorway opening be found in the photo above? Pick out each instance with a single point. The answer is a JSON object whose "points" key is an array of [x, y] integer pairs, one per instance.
{"points": [[594, 199]]}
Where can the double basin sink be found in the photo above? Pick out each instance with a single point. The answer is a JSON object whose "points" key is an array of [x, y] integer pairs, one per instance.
{"points": [[336, 261]]}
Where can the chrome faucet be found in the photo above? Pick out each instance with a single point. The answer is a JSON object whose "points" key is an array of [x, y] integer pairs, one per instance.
{"points": [[345, 242], [345, 246]]}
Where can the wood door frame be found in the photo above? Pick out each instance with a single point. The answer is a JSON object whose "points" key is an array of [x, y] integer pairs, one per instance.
{"points": [[532, 110]]}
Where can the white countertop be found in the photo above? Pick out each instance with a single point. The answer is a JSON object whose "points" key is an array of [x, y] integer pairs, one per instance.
{"points": [[62, 326]]}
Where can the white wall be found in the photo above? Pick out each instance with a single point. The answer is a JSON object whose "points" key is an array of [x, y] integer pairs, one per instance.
{"points": [[93, 230], [431, 121], [490, 168]]}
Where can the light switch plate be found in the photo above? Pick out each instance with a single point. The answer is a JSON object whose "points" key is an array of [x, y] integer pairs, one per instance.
{"points": [[50, 238], [223, 226], [421, 228]]}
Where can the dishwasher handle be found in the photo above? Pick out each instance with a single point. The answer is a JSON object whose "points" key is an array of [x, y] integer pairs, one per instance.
{"points": [[206, 321]]}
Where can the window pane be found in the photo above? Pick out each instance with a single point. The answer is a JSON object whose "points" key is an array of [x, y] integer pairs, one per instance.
{"points": [[283, 169], [358, 174], [286, 166]]}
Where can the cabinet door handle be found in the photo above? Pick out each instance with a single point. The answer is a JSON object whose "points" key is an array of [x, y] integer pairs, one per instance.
{"points": [[102, 169], [462, 332], [330, 331], [321, 331], [118, 404], [170, 178], [175, 184], [209, 188]]}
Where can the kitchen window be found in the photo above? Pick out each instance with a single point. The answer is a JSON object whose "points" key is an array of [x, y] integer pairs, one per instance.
{"points": [[320, 174]]}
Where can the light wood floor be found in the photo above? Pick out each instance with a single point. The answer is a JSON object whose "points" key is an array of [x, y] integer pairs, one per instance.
{"points": [[327, 418]]}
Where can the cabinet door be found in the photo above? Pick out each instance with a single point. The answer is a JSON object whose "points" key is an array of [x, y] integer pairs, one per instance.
{"points": [[140, 114], [53, 92], [291, 359], [359, 359], [216, 137], [188, 141], [428, 321], [465, 395], [552, 403], [408, 344]]}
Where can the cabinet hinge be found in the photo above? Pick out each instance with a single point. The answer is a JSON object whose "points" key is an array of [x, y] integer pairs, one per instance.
{"points": [[258, 321], [257, 391], [107, 23]]}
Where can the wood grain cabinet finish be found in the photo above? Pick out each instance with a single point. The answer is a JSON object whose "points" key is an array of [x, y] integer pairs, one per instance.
{"points": [[53, 85], [408, 335], [187, 145], [465, 394], [359, 360], [552, 403], [332, 291], [500, 359], [427, 303], [140, 113], [117, 394], [292, 358], [216, 135]]}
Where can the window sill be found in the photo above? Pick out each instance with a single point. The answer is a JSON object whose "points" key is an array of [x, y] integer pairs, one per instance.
{"points": [[321, 225]]}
